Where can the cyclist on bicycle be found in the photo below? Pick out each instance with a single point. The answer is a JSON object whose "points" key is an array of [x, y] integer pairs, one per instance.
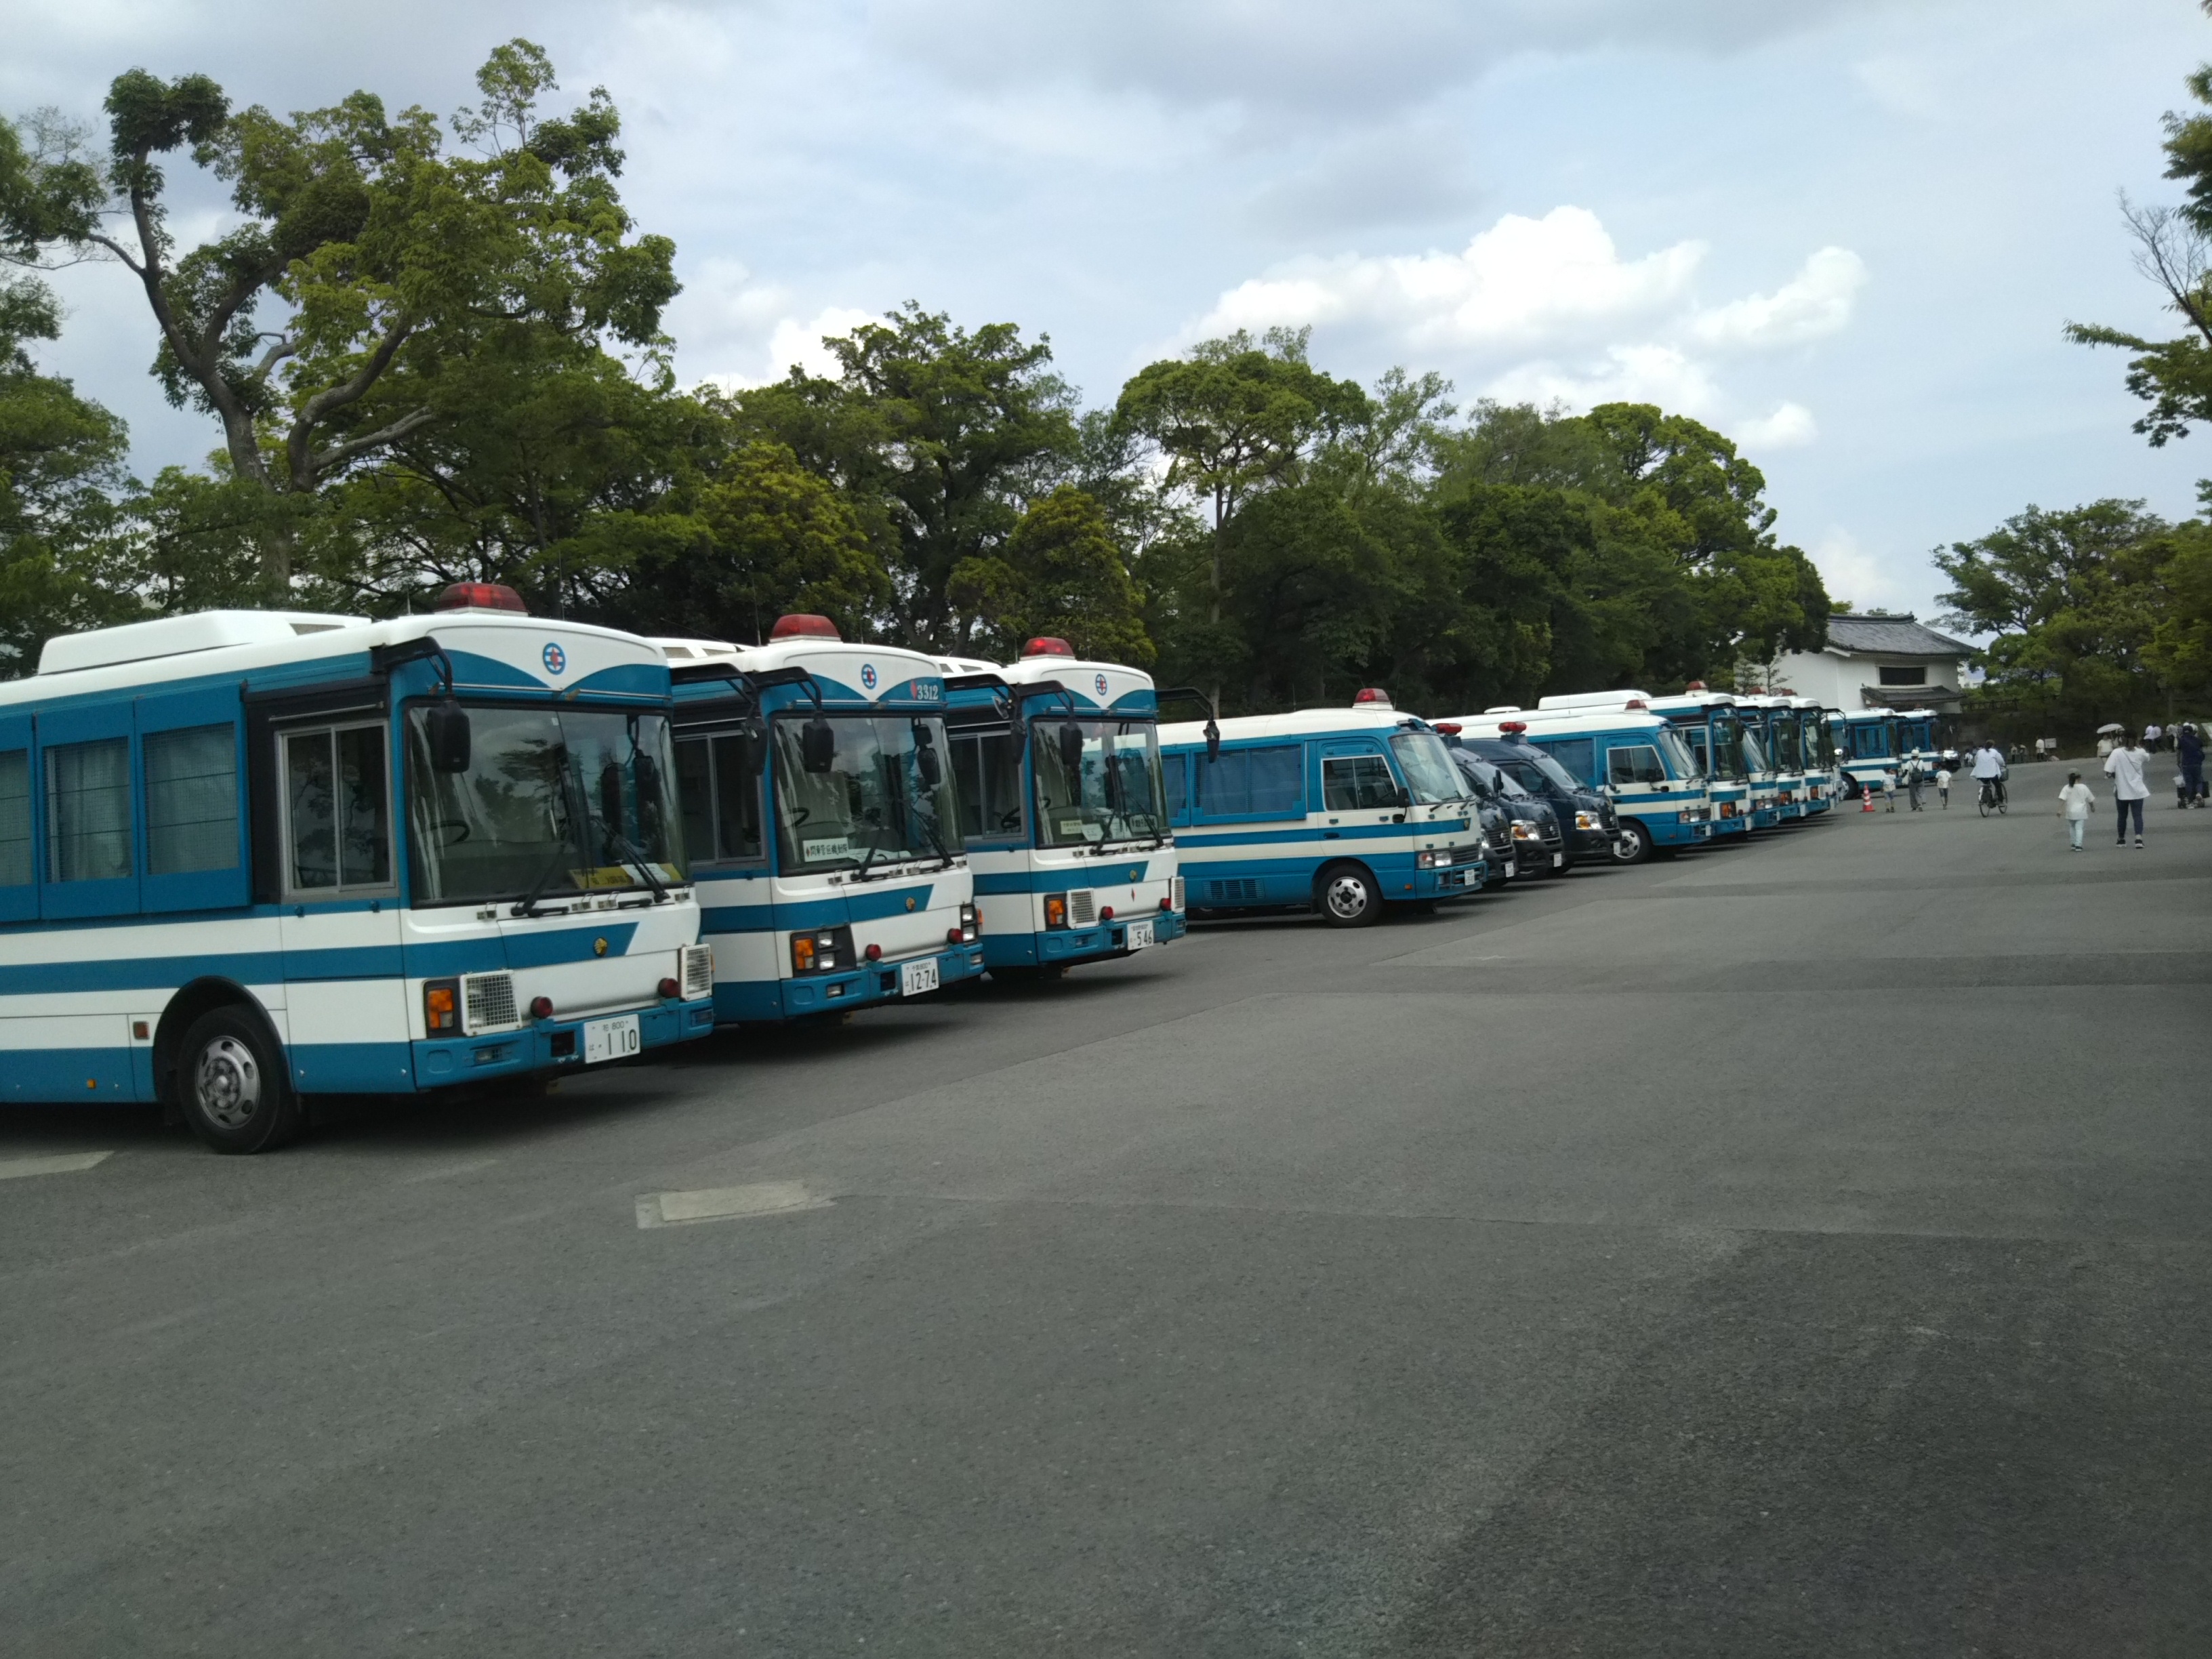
{"points": [[1990, 773]]}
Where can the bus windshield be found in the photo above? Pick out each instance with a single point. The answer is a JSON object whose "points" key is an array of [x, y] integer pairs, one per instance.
{"points": [[874, 803], [553, 801], [1560, 777], [1755, 756], [1114, 793], [1784, 731], [1679, 757], [1428, 767], [1727, 752]]}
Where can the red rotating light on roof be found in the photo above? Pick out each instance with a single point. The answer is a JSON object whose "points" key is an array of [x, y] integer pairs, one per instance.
{"points": [[1637, 702], [804, 625], [1695, 685], [481, 596], [1372, 696], [1449, 728], [1045, 645], [1513, 726]]}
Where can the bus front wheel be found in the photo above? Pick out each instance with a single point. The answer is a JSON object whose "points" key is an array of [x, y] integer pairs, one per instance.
{"points": [[1634, 845], [232, 1086], [1348, 896]]}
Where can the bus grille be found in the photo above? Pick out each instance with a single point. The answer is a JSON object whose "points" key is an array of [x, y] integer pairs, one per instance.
{"points": [[1081, 908], [488, 1002], [698, 971], [1175, 893], [1233, 892]]}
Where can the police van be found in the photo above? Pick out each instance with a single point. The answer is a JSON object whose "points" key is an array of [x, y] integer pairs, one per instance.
{"points": [[817, 788], [1708, 723], [249, 857], [1063, 809], [1613, 742], [1343, 810]]}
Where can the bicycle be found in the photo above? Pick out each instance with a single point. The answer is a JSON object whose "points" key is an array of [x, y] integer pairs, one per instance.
{"points": [[1993, 794]]}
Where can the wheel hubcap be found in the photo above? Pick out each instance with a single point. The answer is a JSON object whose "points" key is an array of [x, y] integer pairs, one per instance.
{"points": [[228, 1083], [1347, 897]]}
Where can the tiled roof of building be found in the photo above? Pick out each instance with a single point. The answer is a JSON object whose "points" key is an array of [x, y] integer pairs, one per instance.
{"points": [[1880, 634]]}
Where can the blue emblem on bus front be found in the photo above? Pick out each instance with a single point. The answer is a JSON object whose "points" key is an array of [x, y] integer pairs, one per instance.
{"points": [[1102, 685], [555, 658], [868, 675]]}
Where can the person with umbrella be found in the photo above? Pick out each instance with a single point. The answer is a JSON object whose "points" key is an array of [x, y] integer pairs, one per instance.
{"points": [[2125, 767]]}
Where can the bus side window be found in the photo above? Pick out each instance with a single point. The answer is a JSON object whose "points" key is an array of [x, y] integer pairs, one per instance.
{"points": [[986, 775], [337, 812], [1577, 755], [191, 800], [1175, 770], [1253, 783], [19, 899], [1638, 763], [1358, 783], [721, 799], [88, 811]]}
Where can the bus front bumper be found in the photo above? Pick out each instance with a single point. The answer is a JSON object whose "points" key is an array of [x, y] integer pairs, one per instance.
{"points": [[556, 1044], [744, 1001], [1057, 947]]}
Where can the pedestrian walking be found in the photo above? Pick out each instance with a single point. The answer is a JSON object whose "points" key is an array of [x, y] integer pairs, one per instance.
{"points": [[1943, 787], [2152, 733], [1912, 782], [2191, 748], [1889, 791], [2075, 802], [2125, 767]]}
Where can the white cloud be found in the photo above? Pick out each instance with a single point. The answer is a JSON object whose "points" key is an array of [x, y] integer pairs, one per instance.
{"points": [[1519, 285], [1790, 427], [1660, 375], [1850, 572], [1815, 303], [795, 344]]}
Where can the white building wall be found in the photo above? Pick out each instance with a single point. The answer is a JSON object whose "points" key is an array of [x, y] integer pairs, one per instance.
{"points": [[1837, 678]]}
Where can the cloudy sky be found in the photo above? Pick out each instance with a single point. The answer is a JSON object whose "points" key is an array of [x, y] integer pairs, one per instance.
{"points": [[1845, 232]]}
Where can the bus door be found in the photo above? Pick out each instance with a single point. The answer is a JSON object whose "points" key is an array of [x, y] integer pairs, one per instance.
{"points": [[1358, 789], [345, 986]]}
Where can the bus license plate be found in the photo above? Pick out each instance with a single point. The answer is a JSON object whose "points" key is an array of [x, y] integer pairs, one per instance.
{"points": [[1140, 935], [610, 1039], [915, 977]]}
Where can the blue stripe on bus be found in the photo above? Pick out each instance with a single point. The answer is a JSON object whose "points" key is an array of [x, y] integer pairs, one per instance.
{"points": [[864, 904], [1199, 835], [1115, 870]]}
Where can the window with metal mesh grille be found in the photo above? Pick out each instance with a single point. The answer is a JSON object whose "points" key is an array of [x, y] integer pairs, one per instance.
{"points": [[698, 970], [1081, 908]]}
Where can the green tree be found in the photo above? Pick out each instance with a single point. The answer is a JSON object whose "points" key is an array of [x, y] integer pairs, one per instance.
{"points": [[368, 260], [2074, 599], [1060, 573], [1233, 418]]}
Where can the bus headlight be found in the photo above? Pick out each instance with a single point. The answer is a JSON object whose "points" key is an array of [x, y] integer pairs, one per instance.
{"points": [[814, 953], [1440, 859], [971, 924]]}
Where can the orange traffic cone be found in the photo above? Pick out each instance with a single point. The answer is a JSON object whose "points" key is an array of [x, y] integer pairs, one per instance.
{"points": [[1866, 797]]}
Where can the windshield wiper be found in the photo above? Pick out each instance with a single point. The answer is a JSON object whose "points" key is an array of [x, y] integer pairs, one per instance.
{"points": [[938, 841], [527, 905], [866, 858], [628, 849]]}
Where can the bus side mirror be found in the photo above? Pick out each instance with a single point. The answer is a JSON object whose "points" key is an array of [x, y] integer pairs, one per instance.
{"points": [[1212, 739], [818, 744], [1404, 797], [1071, 750], [752, 748], [446, 727]]}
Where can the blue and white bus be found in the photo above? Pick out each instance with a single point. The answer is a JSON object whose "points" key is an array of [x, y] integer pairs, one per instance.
{"points": [[819, 801], [1614, 742], [249, 857], [1773, 722], [1063, 809], [1708, 722], [1341, 810], [1867, 741]]}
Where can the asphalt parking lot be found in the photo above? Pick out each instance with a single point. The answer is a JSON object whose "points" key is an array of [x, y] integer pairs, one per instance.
{"points": [[1792, 1249]]}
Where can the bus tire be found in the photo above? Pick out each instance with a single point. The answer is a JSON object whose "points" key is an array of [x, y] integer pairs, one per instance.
{"points": [[231, 1084], [1635, 845], [1346, 896]]}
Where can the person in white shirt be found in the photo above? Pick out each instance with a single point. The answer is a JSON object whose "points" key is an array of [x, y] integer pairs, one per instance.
{"points": [[2074, 802], [1990, 771], [1943, 787], [2151, 735], [2125, 767]]}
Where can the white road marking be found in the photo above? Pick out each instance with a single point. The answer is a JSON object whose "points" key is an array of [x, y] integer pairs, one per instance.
{"points": [[61, 1164], [727, 1203], [447, 1172]]}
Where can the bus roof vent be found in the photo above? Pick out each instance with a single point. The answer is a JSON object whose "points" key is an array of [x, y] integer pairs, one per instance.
{"points": [[172, 636]]}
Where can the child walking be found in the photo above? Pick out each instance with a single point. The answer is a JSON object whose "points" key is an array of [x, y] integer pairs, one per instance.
{"points": [[2075, 803], [1943, 787]]}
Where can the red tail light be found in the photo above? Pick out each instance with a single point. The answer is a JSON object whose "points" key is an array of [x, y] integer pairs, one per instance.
{"points": [[541, 1007], [1105, 913], [669, 988], [803, 625], [874, 953], [1167, 904], [481, 596]]}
